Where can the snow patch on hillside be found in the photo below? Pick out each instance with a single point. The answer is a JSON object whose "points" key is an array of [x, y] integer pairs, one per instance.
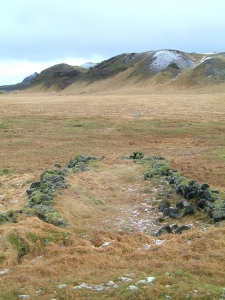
{"points": [[204, 59], [89, 65], [162, 58]]}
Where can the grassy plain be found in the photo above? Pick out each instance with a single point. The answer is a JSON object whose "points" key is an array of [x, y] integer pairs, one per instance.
{"points": [[39, 130]]}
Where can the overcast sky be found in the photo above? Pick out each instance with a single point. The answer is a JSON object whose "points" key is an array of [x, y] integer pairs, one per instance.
{"points": [[36, 34]]}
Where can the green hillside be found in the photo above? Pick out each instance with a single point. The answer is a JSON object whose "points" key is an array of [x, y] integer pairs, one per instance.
{"points": [[58, 77]]}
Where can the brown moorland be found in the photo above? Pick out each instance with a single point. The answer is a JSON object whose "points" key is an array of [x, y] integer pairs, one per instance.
{"points": [[110, 208]]}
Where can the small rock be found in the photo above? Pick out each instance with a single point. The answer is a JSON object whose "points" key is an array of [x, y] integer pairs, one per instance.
{"points": [[61, 286], [205, 186], [83, 285], [99, 287], [180, 205], [132, 287], [189, 210], [57, 165], [164, 230], [182, 229], [111, 284], [4, 271], [140, 282], [201, 203], [163, 206], [124, 279], [105, 244], [150, 279], [137, 114], [158, 242], [171, 213]]}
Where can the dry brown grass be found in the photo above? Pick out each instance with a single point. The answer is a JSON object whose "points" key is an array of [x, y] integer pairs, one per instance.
{"points": [[38, 130]]}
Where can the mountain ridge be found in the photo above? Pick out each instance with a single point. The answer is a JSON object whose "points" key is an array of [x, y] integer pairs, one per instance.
{"points": [[151, 67]]}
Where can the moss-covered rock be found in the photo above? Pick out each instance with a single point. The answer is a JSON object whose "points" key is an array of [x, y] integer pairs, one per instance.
{"points": [[217, 208], [150, 173], [137, 155], [39, 197], [9, 216], [78, 161], [41, 193], [200, 196]]}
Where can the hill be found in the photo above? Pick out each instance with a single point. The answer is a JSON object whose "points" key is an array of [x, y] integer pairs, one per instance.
{"points": [[18, 86], [58, 77], [210, 71], [176, 68], [172, 68]]}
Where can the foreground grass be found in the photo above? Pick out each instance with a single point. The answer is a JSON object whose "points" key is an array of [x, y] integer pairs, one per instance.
{"points": [[40, 257]]}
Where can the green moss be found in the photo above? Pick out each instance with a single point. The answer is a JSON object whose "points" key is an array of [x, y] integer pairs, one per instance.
{"points": [[9, 216], [4, 125], [218, 207], [185, 183], [137, 155], [150, 173], [164, 170], [55, 219], [59, 237], [29, 211], [38, 198], [170, 190], [19, 245], [32, 237], [77, 188], [5, 171]]}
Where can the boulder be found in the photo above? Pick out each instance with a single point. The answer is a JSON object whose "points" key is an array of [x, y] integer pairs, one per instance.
{"points": [[179, 205], [182, 229], [163, 206], [204, 194], [218, 210], [189, 210], [171, 213], [201, 203], [164, 230], [205, 186]]}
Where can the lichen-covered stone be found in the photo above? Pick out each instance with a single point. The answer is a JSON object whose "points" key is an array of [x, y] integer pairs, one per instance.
{"points": [[41, 193], [218, 208]]}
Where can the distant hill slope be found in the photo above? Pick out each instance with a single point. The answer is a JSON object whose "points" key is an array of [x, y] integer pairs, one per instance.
{"points": [[58, 77], [210, 71], [28, 79], [177, 68], [89, 65], [18, 86], [137, 67]]}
